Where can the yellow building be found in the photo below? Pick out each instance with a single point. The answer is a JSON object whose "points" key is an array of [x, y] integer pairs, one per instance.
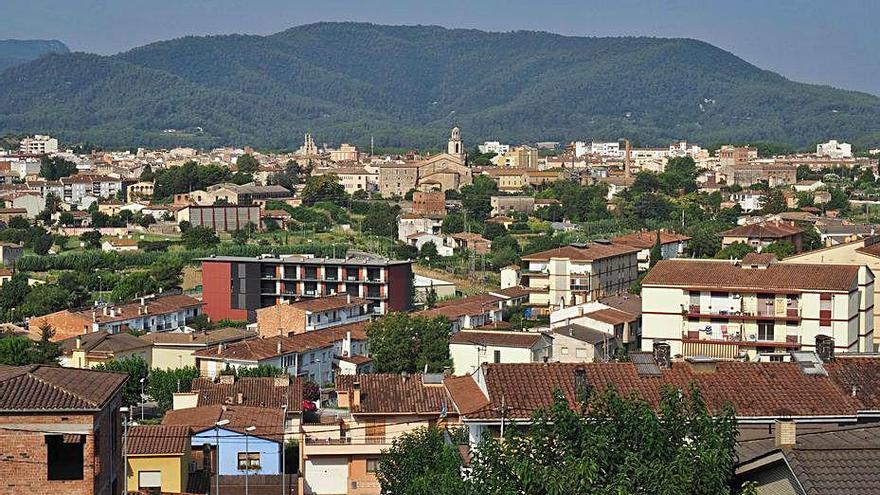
{"points": [[159, 458], [94, 348], [174, 350]]}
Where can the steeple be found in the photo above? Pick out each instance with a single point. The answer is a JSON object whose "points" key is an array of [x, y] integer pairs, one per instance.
{"points": [[455, 147]]}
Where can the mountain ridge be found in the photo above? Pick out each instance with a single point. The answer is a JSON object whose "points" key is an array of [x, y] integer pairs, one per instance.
{"points": [[14, 52], [406, 85]]}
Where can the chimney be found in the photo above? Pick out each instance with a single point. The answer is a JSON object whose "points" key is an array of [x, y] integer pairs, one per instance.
{"points": [[79, 343], [702, 365], [348, 298], [278, 347], [663, 354], [220, 348], [786, 433], [581, 386], [94, 316], [106, 310], [356, 395], [825, 348]]}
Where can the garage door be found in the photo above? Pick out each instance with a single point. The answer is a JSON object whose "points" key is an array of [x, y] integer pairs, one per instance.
{"points": [[326, 476]]}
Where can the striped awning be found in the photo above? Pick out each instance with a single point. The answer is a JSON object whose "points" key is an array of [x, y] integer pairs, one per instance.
{"points": [[710, 349]]}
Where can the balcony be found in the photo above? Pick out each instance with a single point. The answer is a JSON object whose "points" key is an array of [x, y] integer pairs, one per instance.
{"points": [[348, 445], [697, 311], [735, 338]]}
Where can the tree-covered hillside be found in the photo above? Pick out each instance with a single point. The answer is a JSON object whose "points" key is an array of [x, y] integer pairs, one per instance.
{"points": [[15, 52], [406, 85]]}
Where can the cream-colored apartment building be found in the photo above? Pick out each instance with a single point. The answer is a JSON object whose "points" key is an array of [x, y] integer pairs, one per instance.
{"points": [[756, 307]]}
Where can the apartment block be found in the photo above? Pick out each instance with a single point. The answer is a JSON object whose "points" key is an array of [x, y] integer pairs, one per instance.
{"points": [[757, 307], [236, 287], [579, 273], [38, 145], [289, 318], [672, 245]]}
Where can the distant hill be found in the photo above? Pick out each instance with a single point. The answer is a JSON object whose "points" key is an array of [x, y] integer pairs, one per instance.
{"points": [[15, 52], [407, 85]]}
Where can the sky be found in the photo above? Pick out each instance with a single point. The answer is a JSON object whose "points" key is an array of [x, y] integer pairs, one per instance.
{"points": [[834, 43]]}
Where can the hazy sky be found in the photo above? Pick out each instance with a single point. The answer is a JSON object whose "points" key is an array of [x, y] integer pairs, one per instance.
{"points": [[836, 43]]}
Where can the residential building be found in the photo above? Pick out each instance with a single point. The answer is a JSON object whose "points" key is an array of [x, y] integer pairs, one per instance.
{"points": [[760, 171], [174, 349], [493, 147], [7, 214], [518, 157], [579, 273], [38, 145], [119, 245], [506, 205], [250, 442], [807, 391], [345, 153], [761, 235], [139, 190], [31, 201], [730, 156], [834, 149], [480, 311], [802, 460], [396, 179], [757, 307], [247, 194], [840, 233], [65, 428], [10, 253], [377, 409], [235, 287], [423, 285], [77, 187], [469, 349], [470, 241], [289, 318], [672, 245], [312, 354], [430, 204], [221, 218], [860, 252], [445, 244], [159, 458], [594, 331], [355, 179], [91, 349], [148, 314], [748, 200], [408, 224]]}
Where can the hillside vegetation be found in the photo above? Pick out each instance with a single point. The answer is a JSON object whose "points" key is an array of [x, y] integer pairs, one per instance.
{"points": [[15, 52], [406, 85]]}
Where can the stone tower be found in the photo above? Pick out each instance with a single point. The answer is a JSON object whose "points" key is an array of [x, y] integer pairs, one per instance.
{"points": [[455, 147]]}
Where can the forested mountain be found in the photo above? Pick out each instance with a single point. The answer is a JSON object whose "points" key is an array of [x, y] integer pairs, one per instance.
{"points": [[406, 85], [15, 52]]}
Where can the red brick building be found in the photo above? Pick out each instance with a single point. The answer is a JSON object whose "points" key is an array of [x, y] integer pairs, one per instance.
{"points": [[235, 287], [62, 431], [429, 204]]}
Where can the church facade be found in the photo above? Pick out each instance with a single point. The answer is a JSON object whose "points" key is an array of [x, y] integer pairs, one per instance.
{"points": [[440, 172]]}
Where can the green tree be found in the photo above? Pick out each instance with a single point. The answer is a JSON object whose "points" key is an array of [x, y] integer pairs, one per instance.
{"points": [[493, 230], [782, 249], [200, 237], [476, 197], [421, 463], [137, 284], [429, 251], [263, 370], [453, 223], [324, 187], [773, 202], [656, 251], [42, 244], [247, 164], [401, 342], [162, 384], [45, 351], [136, 368], [381, 220], [56, 167], [167, 272], [15, 350], [735, 251]]}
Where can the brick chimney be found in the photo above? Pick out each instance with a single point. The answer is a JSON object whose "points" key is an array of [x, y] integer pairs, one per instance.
{"points": [[356, 395], [785, 435]]}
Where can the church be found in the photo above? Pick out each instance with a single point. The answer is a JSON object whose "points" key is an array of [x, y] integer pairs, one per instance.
{"points": [[440, 172]]}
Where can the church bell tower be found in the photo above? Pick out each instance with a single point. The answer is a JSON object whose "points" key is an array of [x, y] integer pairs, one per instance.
{"points": [[455, 147]]}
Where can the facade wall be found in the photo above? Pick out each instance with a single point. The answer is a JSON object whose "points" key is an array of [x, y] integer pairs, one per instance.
{"points": [[217, 292], [231, 443], [174, 471], [170, 357]]}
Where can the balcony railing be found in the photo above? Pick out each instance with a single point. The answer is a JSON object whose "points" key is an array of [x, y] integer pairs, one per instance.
{"points": [[367, 440], [710, 312]]}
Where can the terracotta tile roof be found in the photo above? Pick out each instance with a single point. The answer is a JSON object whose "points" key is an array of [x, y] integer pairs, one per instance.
{"points": [[104, 343], [501, 339], [261, 349], [210, 337], [255, 392], [328, 303], [158, 439], [584, 333], [269, 422], [466, 394], [468, 306], [516, 291], [754, 389], [779, 276], [759, 259], [870, 250], [863, 373], [155, 305], [386, 393], [629, 303], [612, 316], [763, 231], [47, 388], [646, 239], [591, 252]]}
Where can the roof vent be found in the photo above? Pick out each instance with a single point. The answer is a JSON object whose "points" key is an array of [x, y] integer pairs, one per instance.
{"points": [[579, 245], [809, 362]]}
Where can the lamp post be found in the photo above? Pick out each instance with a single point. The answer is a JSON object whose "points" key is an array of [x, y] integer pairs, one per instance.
{"points": [[143, 398], [217, 425], [283, 459], [124, 411], [247, 457]]}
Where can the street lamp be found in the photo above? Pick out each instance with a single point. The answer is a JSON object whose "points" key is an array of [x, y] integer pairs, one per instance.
{"points": [[143, 398], [283, 460], [124, 411], [217, 425], [247, 457]]}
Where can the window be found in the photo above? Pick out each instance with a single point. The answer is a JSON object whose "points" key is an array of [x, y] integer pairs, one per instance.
{"points": [[372, 465], [564, 351], [248, 461], [497, 358], [149, 479], [765, 330], [64, 457], [580, 352]]}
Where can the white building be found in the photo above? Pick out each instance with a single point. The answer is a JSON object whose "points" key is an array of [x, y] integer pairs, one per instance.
{"points": [[38, 145], [834, 149], [493, 147], [609, 149], [757, 308], [470, 349]]}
